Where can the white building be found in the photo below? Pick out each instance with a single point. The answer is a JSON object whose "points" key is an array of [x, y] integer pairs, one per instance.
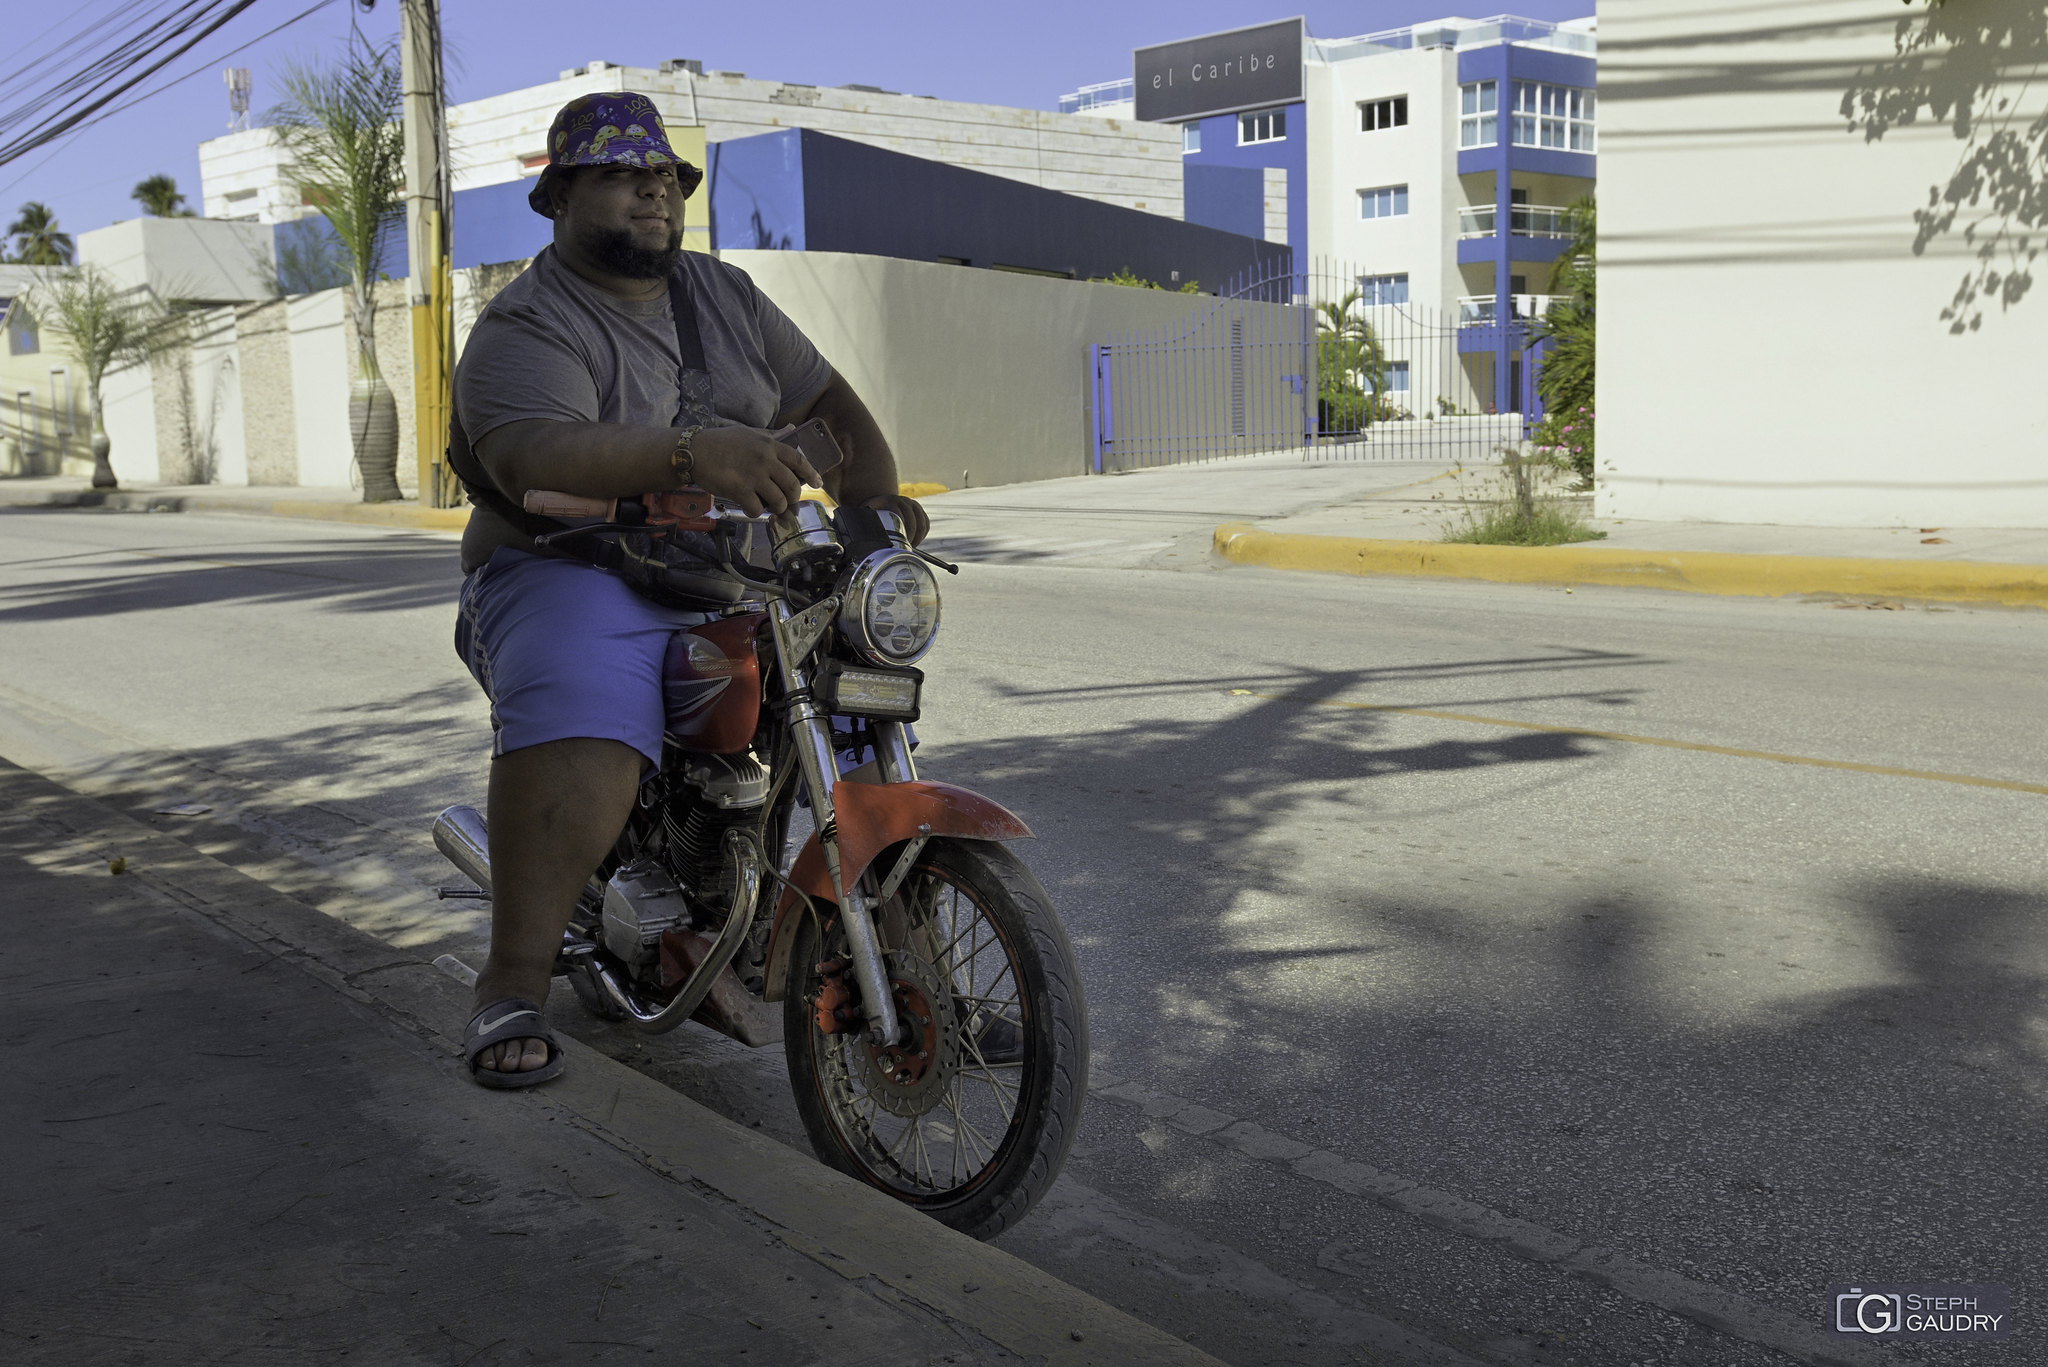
{"points": [[1390, 163], [1794, 327], [502, 138]]}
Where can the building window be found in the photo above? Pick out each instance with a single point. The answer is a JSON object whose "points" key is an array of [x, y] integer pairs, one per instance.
{"points": [[1478, 119], [1388, 201], [1391, 112], [1397, 377], [1268, 125], [22, 339], [1558, 116], [1375, 290], [1190, 138]]}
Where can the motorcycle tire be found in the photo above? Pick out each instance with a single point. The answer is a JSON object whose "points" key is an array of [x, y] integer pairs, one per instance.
{"points": [[860, 1105]]}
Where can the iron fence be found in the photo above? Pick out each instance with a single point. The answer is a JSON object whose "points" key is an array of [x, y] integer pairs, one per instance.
{"points": [[1334, 362]]}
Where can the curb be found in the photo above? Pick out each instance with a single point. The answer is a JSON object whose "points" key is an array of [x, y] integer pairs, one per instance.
{"points": [[370, 514], [1711, 572], [809, 1209], [402, 514]]}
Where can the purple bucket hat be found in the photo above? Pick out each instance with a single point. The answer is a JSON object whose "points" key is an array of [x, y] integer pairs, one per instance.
{"points": [[611, 129]]}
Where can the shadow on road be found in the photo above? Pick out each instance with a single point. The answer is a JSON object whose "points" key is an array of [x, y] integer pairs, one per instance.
{"points": [[1768, 1098], [403, 572]]}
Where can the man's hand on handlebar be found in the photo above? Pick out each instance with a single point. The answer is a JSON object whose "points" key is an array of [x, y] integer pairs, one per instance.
{"points": [[747, 466], [910, 510]]}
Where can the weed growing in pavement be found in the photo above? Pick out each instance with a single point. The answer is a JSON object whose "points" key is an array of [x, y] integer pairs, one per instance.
{"points": [[1522, 502]]}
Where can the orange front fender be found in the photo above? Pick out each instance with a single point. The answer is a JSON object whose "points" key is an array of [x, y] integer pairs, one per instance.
{"points": [[872, 817]]}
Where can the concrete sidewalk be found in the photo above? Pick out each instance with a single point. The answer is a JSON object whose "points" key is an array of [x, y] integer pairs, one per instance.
{"points": [[332, 505], [1374, 516], [241, 1130], [1422, 510]]}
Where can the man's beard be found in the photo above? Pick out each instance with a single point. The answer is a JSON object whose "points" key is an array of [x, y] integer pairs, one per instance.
{"points": [[614, 250]]}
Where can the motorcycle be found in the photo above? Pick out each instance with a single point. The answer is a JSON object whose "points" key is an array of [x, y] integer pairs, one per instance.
{"points": [[915, 972]]}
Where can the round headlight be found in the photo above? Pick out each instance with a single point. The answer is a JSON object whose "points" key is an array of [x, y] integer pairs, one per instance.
{"points": [[892, 608]]}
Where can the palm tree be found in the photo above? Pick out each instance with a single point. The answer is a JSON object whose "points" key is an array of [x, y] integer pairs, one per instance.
{"points": [[159, 198], [1351, 367], [1565, 383], [339, 126], [37, 240], [104, 326]]}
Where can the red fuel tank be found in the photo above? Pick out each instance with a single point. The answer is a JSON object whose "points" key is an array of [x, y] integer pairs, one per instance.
{"points": [[711, 685]]}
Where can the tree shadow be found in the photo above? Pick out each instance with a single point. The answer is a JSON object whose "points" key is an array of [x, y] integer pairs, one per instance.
{"points": [[1968, 64], [1768, 1099], [404, 572]]}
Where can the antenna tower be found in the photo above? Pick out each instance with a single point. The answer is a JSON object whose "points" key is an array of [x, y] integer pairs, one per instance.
{"points": [[239, 86]]}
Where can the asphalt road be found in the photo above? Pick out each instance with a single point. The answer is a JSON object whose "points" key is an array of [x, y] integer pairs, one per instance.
{"points": [[1425, 1031]]}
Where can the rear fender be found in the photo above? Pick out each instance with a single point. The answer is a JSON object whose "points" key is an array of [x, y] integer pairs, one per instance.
{"points": [[871, 817]]}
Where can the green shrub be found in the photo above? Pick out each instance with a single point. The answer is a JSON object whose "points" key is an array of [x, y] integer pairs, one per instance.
{"points": [[1518, 510]]}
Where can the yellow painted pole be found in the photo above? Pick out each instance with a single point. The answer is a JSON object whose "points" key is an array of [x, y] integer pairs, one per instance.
{"points": [[427, 223]]}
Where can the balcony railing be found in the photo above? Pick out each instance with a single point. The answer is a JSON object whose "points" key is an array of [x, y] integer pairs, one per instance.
{"points": [[1524, 220], [1098, 96], [1477, 310]]}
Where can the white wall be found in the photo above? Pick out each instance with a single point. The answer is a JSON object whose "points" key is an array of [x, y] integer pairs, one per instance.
{"points": [[318, 325], [1772, 343], [1423, 156], [129, 411], [966, 370], [219, 453], [186, 258]]}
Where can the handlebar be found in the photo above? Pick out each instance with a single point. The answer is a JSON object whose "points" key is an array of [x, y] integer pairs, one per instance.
{"points": [[691, 508]]}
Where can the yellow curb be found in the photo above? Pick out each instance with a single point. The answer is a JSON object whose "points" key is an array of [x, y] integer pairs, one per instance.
{"points": [[376, 514], [920, 490], [1714, 572]]}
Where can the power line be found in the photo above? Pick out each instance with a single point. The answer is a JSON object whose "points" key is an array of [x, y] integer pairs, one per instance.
{"points": [[119, 60], [128, 104]]}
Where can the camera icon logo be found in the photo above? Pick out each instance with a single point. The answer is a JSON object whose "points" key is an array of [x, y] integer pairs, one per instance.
{"points": [[1875, 1312]]}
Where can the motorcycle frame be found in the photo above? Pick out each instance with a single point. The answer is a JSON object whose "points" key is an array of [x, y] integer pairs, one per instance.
{"points": [[855, 822]]}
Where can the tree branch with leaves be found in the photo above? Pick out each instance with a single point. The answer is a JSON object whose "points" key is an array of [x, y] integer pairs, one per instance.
{"points": [[105, 327], [1565, 383], [340, 129]]}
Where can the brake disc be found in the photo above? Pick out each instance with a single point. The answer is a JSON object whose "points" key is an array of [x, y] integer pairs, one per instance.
{"points": [[909, 1079]]}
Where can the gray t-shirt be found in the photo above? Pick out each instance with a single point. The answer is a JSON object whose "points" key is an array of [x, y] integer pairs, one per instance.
{"points": [[553, 346]]}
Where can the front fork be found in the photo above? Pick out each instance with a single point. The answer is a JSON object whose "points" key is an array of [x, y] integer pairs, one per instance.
{"points": [[811, 731]]}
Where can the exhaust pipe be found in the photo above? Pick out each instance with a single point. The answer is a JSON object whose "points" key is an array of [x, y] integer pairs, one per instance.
{"points": [[460, 835]]}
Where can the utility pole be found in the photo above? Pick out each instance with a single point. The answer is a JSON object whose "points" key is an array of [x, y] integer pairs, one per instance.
{"points": [[428, 201]]}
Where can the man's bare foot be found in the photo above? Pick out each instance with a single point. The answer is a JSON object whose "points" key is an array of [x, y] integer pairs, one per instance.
{"points": [[514, 1056]]}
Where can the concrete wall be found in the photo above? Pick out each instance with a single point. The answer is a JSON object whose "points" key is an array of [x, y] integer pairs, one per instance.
{"points": [[1781, 341], [270, 435], [186, 258], [319, 345], [977, 377]]}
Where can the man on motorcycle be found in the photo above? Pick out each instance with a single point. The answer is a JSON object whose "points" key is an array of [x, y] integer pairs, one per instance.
{"points": [[587, 375]]}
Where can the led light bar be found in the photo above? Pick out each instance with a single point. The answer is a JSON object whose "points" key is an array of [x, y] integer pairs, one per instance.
{"points": [[858, 691]]}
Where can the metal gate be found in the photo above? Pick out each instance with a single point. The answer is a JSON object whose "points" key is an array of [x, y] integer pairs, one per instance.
{"points": [[1334, 363]]}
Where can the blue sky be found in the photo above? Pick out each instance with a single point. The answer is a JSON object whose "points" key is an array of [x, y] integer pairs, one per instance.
{"points": [[996, 54]]}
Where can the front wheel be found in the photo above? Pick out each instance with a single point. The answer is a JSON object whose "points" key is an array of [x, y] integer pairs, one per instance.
{"points": [[970, 1120]]}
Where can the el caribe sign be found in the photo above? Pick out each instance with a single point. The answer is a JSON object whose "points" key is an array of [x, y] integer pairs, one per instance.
{"points": [[1247, 68]]}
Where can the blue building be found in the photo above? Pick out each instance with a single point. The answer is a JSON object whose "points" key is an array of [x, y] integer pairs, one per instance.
{"points": [[1430, 169], [801, 190]]}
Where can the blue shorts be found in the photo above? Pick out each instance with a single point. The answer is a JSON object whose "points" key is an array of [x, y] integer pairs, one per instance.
{"points": [[565, 650]]}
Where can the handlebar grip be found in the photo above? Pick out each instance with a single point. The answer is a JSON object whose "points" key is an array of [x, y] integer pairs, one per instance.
{"points": [[713, 589], [549, 503]]}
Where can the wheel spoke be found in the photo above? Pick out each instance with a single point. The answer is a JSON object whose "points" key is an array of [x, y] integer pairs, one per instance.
{"points": [[942, 923]]}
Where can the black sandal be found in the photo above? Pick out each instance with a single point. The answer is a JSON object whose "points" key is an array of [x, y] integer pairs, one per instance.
{"points": [[510, 1019]]}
